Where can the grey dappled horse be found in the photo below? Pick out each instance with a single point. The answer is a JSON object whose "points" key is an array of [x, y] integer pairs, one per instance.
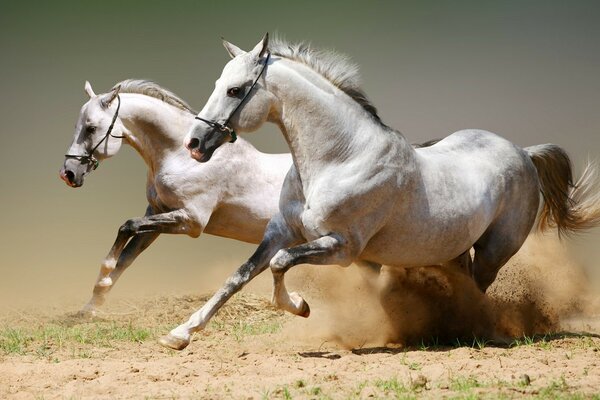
{"points": [[360, 193]]}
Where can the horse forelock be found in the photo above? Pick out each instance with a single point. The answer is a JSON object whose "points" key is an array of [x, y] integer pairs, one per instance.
{"points": [[153, 89], [333, 66]]}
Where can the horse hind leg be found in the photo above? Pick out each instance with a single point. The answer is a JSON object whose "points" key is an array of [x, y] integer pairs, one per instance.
{"points": [[493, 250], [507, 233]]}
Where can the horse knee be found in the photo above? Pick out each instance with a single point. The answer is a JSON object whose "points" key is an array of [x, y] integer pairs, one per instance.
{"points": [[128, 228]]}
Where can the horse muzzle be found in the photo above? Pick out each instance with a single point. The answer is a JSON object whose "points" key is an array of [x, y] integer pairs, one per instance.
{"points": [[70, 178]]}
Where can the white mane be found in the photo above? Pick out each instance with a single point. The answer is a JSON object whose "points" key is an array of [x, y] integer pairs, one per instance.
{"points": [[335, 67], [153, 89]]}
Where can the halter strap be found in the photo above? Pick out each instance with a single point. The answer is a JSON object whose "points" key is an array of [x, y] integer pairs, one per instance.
{"points": [[224, 127], [90, 156]]}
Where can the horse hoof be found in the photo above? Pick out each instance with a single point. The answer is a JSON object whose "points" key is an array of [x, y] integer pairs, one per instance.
{"points": [[87, 312], [301, 306], [304, 309], [171, 342]]}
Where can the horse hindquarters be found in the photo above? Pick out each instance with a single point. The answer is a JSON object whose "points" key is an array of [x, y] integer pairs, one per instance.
{"points": [[511, 226]]}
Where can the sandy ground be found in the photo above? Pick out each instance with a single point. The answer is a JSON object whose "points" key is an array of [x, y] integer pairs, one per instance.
{"points": [[419, 333], [235, 359]]}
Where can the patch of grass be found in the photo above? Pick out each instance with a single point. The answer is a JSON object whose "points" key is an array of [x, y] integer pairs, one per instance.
{"points": [[299, 384], [243, 329], [14, 341], [359, 388], [557, 389], [395, 388], [463, 384], [479, 343], [315, 391], [286, 394], [44, 340], [523, 341]]}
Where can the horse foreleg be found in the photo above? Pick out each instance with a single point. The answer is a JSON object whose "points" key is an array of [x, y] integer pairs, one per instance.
{"points": [[331, 249], [277, 236], [148, 227], [134, 248]]}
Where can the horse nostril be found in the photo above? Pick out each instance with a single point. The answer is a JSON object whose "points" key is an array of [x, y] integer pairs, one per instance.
{"points": [[70, 175], [193, 143]]}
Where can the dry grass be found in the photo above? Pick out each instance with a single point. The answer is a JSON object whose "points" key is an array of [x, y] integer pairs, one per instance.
{"points": [[54, 337]]}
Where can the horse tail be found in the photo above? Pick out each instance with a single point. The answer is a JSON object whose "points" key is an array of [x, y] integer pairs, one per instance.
{"points": [[569, 207]]}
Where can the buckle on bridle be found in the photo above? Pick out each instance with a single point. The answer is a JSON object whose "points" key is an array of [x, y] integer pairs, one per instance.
{"points": [[230, 131]]}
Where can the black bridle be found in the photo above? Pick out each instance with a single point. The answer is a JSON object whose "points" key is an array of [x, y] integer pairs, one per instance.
{"points": [[224, 127], [89, 158]]}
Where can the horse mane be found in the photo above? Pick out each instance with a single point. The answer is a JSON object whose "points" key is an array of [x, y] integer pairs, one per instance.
{"points": [[153, 89], [333, 66]]}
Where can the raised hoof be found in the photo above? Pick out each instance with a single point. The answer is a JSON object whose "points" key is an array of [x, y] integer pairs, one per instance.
{"points": [[301, 307], [171, 342], [304, 309]]}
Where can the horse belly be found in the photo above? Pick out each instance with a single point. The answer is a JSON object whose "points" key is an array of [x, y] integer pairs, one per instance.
{"points": [[414, 240]]}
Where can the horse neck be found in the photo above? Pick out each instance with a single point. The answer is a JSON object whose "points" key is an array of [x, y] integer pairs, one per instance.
{"points": [[321, 124], [154, 128]]}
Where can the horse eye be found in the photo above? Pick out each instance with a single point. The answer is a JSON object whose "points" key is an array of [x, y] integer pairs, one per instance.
{"points": [[90, 129], [234, 92]]}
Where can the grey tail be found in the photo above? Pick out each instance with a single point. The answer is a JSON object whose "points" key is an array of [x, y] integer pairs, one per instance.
{"points": [[568, 207]]}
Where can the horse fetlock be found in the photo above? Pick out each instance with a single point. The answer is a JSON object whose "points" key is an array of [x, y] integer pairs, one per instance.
{"points": [[105, 283]]}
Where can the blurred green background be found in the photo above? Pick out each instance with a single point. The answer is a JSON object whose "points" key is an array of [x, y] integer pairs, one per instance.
{"points": [[528, 70]]}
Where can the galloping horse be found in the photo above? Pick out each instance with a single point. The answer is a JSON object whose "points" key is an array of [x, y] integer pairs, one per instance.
{"points": [[360, 193], [234, 196]]}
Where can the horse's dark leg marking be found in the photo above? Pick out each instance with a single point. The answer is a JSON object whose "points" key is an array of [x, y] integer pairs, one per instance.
{"points": [[137, 234], [132, 250], [330, 249], [276, 237]]}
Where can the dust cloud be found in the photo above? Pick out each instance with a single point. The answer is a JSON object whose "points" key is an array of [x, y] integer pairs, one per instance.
{"points": [[541, 290]]}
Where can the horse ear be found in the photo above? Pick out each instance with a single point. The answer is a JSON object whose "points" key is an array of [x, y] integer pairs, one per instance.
{"points": [[89, 90], [109, 97], [262, 46], [232, 49]]}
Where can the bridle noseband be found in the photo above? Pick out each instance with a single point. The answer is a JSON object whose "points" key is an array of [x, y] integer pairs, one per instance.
{"points": [[89, 158], [224, 127]]}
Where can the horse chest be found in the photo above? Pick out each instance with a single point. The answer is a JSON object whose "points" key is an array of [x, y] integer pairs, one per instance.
{"points": [[171, 190]]}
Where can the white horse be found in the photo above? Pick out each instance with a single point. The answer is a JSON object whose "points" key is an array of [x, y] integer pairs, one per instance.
{"points": [[360, 193], [234, 196]]}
